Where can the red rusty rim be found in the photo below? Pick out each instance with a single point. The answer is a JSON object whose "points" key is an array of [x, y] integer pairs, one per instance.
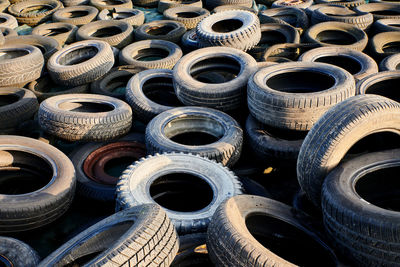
{"points": [[94, 164]]}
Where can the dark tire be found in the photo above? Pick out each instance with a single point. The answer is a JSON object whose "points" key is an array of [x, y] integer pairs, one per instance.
{"points": [[382, 83], [357, 63], [302, 203], [275, 94], [390, 63], [21, 212], [63, 33], [378, 10], [244, 36], [8, 21], [134, 17], [302, 4], [47, 45], [384, 44], [291, 15], [100, 5], [228, 135], [243, 227], [166, 54], [225, 96], [140, 236], [347, 3], [80, 63], [337, 34], [336, 132], [167, 4], [192, 251], [352, 192], [167, 30], [76, 15], [16, 253], [211, 4], [233, 7], [7, 32], [146, 3], [189, 41], [386, 25], [21, 64], [18, 10], [85, 117], [286, 52], [193, 177], [309, 10], [187, 15]]}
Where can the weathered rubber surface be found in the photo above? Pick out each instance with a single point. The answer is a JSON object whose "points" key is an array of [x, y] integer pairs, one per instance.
{"points": [[35, 209], [24, 65], [167, 4], [291, 15], [349, 4], [370, 239], [336, 132], [130, 55], [286, 106], [100, 5], [211, 4], [333, 55], [70, 3], [66, 36], [386, 25], [230, 243], [378, 10], [85, 125], [7, 32], [134, 17], [174, 34], [244, 38], [225, 150], [95, 58], [4, 4], [140, 236], [390, 63], [119, 33], [70, 15], [22, 11], [384, 44], [233, 7], [192, 251], [303, 4], [224, 95], [47, 45], [383, 83], [133, 186], [23, 109], [8, 21], [189, 22], [17, 253]]}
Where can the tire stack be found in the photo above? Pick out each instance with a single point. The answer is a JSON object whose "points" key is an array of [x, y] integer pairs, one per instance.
{"points": [[199, 133]]}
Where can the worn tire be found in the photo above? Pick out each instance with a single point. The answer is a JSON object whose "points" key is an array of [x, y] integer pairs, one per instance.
{"points": [[384, 44], [100, 5], [347, 3], [233, 7], [386, 25], [211, 4], [8, 21], [167, 4], [4, 4], [303, 4], [53, 30], [291, 15], [76, 15], [16, 253], [47, 45], [175, 31], [378, 10], [7, 32], [191, 21], [134, 17], [189, 41], [34, 18], [383, 83], [390, 63]]}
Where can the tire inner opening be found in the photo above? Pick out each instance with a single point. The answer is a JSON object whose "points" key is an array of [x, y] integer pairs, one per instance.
{"points": [[36, 9], [386, 12], [187, 14], [215, 70], [78, 56], [161, 91], [75, 14], [116, 166], [271, 37], [388, 88], [12, 53], [4, 262], [160, 30], [106, 32], [381, 188], [227, 25], [55, 31], [23, 172], [291, 135], [194, 130], [118, 84], [121, 15], [394, 25], [392, 47], [95, 245], [301, 81], [373, 143], [80, 106], [2, 20], [150, 54], [181, 192], [347, 63], [288, 242], [336, 37], [111, 2], [8, 99]]}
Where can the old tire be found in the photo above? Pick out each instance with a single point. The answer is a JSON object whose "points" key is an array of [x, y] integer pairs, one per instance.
{"points": [[76, 15], [8, 21], [382, 83], [18, 10], [134, 17], [63, 33], [16, 253], [47, 45], [390, 63], [188, 15], [149, 31]]}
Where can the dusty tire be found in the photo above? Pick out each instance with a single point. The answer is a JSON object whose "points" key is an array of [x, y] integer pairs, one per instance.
{"points": [[32, 18], [303, 4], [8, 21], [226, 134], [211, 4], [4, 4], [380, 10], [384, 44], [383, 83], [76, 15], [47, 45], [291, 15], [149, 31], [142, 235], [100, 5], [336, 132], [94, 59], [134, 17], [188, 15], [390, 63], [99, 118], [386, 25], [138, 185], [167, 4], [233, 7], [16, 253], [347, 3], [66, 36]]}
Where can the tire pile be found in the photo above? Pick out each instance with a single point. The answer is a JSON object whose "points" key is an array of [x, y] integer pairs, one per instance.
{"points": [[177, 125]]}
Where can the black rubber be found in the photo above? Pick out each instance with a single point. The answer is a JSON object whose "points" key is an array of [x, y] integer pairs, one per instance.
{"points": [[291, 15], [384, 44], [16, 253], [383, 83], [390, 63]]}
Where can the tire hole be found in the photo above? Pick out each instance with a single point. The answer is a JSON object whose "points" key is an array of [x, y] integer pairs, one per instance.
{"points": [[227, 25], [36, 9], [270, 37], [187, 14], [150, 54], [75, 14], [386, 12], [8, 99], [336, 37], [373, 143], [85, 106], [204, 70], [12, 53], [387, 88], [55, 31], [116, 166], [347, 63], [392, 47], [160, 30], [78, 56], [106, 32], [161, 91]]}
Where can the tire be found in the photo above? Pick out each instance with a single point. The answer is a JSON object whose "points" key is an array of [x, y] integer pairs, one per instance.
{"points": [[349, 4], [90, 159], [16, 253], [211, 4], [134, 17], [226, 131], [174, 31], [167, 4], [168, 52], [7, 32], [390, 63], [192, 251], [115, 33], [8, 21], [386, 25], [189, 41], [21, 212], [100, 5], [240, 224], [357, 63], [224, 96], [384, 44], [303, 4], [336, 132], [382, 83], [70, 3], [47, 45], [337, 34], [2, 40], [156, 83], [142, 235], [233, 7], [302, 203], [291, 15], [193, 17], [309, 10], [242, 37], [18, 105], [24, 65], [94, 59], [134, 188], [4, 4], [32, 18], [275, 101], [286, 52], [378, 10], [66, 36], [76, 15], [346, 197]]}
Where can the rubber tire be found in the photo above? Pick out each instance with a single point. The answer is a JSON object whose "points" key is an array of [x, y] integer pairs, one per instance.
{"points": [[174, 54], [2, 40], [119, 40], [349, 4], [36, 209], [189, 41], [223, 96], [7, 32], [372, 7], [47, 45], [167, 4], [32, 18], [381, 40], [10, 21], [303, 4], [385, 25], [382, 83], [211, 4], [340, 204], [4, 4], [62, 38], [243, 38], [286, 15], [191, 22], [70, 3], [62, 15], [334, 134], [390, 63], [192, 251], [136, 19], [225, 150], [88, 71], [151, 239], [174, 35], [233, 7], [296, 111], [18, 253], [100, 4], [133, 186], [85, 126], [367, 64]]}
